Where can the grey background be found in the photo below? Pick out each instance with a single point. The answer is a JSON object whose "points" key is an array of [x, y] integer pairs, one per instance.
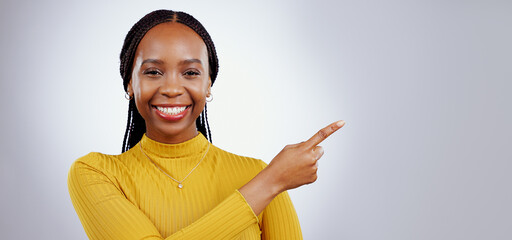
{"points": [[423, 85]]}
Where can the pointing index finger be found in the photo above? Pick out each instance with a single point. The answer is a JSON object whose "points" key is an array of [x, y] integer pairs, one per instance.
{"points": [[325, 132]]}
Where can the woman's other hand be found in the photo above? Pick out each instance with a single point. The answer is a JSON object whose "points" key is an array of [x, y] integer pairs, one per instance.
{"points": [[293, 167]]}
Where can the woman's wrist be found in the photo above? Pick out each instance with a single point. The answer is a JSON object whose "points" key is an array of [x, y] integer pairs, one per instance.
{"points": [[271, 180], [260, 191]]}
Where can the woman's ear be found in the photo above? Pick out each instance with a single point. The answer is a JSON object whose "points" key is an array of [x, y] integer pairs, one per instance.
{"points": [[129, 88], [129, 91], [209, 89]]}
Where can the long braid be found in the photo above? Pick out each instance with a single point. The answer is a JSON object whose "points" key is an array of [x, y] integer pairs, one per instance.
{"points": [[135, 125], [128, 123], [207, 124], [202, 124]]}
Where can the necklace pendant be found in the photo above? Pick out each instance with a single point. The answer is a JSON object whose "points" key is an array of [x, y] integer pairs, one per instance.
{"points": [[180, 186]]}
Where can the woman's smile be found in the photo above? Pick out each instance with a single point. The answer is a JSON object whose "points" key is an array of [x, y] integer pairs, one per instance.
{"points": [[171, 113]]}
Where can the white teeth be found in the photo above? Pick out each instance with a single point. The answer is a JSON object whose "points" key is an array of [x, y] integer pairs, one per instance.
{"points": [[171, 110]]}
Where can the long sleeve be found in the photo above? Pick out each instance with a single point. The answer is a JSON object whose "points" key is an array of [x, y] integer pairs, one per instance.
{"points": [[106, 213], [280, 220], [130, 195]]}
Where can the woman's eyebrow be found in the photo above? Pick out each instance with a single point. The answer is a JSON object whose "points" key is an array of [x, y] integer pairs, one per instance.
{"points": [[192, 60], [152, 60]]}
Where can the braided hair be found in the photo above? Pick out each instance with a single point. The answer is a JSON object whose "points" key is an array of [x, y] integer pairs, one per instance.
{"points": [[136, 126]]}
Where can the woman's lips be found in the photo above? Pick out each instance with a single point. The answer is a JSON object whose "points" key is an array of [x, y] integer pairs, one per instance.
{"points": [[172, 113]]}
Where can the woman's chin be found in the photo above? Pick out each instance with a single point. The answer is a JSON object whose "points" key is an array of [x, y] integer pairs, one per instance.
{"points": [[172, 133]]}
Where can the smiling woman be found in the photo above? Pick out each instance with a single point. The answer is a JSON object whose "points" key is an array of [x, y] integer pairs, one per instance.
{"points": [[170, 81], [170, 181]]}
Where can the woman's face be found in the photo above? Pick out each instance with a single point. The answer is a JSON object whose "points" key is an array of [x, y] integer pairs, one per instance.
{"points": [[170, 81]]}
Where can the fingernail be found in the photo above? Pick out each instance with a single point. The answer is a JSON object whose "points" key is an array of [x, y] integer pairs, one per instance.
{"points": [[340, 123]]}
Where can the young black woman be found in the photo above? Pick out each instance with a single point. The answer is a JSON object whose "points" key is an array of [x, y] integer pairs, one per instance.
{"points": [[171, 182]]}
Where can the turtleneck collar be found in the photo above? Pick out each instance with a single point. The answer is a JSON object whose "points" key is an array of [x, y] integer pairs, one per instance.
{"points": [[189, 148]]}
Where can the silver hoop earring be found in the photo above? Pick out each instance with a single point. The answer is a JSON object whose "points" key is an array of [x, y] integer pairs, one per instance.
{"points": [[128, 96], [209, 98]]}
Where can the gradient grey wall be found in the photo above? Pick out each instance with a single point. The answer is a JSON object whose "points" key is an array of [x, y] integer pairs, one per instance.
{"points": [[423, 85]]}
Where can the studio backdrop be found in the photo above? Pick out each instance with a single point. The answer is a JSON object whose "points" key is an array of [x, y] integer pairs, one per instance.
{"points": [[424, 87]]}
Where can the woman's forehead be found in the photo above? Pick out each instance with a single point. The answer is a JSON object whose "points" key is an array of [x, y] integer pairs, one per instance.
{"points": [[172, 40]]}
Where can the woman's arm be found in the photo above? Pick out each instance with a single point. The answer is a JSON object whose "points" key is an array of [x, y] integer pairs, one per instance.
{"points": [[106, 213], [279, 220]]}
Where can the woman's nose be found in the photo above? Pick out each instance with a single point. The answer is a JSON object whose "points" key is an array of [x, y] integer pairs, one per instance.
{"points": [[171, 86]]}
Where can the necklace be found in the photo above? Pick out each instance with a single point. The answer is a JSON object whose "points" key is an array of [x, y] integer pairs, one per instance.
{"points": [[180, 183]]}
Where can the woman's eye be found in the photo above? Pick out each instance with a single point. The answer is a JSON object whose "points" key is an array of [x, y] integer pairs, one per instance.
{"points": [[152, 72], [191, 73]]}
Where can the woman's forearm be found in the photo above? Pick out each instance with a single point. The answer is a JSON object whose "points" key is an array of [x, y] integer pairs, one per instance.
{"points": [[260, 191]]}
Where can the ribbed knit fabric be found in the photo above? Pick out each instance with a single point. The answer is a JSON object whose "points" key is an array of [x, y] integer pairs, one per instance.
{"points": [[126, 197]]}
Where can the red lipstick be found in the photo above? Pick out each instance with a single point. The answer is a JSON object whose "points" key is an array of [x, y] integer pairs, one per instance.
{"points": [[170, 117]]}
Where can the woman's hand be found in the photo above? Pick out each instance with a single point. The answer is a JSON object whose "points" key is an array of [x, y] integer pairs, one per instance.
{"points": [[296, 164], [293, 167]]}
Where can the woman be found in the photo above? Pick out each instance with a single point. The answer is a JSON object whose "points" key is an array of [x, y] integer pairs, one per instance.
{"points": [[170, 181]]}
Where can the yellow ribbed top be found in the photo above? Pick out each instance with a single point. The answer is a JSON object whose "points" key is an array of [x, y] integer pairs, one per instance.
{"points": [[127, 197]]}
